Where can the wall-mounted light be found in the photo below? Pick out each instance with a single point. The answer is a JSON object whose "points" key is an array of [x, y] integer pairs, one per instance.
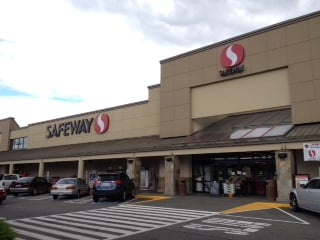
{"points": [[130, 161], [282, 155], [169, 159]]}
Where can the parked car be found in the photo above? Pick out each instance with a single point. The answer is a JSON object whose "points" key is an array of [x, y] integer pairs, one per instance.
{"points": [[7, 179], [307, 196], [3, 194], [75, 187], [113, 185], [33, 185]]}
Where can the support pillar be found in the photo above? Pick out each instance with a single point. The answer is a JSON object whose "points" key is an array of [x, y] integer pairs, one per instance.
{"points": [[285, 170], [11, 168], [41, 169], [134, 170], [80, 168], [171, 168]]}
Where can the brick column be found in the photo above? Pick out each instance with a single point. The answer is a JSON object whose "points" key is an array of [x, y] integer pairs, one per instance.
{"points": [[133, 170], [285, 170], [11, 168], [80, 168], [171, 170], [41, 169]]}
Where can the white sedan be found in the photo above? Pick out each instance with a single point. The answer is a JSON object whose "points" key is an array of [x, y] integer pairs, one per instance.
{"points": [[306, 197], [74, 187]]}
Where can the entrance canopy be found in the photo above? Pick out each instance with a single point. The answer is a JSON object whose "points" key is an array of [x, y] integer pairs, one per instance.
{"points": [[218, 134]]}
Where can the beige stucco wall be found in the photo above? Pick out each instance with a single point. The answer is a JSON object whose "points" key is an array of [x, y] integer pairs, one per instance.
{"points": [[6, 126], [293, 45], [134, 120], [269, 90]]}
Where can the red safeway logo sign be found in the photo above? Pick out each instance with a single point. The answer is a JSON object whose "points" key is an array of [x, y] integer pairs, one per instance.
{"points": [[232, 56], [101, 123]]}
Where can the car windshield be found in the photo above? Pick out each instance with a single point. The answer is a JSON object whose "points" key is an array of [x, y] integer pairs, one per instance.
{"points": [[313, 184], [67, 181], [108, 177], [25, 179], [9, 177]]}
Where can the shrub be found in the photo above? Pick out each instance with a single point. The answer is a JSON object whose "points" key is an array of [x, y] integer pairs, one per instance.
{"points": [[6, 232]]}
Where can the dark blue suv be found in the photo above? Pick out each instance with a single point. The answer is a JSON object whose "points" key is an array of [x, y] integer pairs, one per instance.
{"points": [[113, 185]]}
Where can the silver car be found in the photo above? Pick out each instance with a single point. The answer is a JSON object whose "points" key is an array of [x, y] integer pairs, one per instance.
{"points": [[73, 187], [307, 196]]}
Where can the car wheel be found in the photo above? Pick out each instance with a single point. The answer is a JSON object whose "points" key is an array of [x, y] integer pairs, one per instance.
{"points": [[294, 203], [55, 197], [0, 201], [77, 194], [123, 196], [16, 194], [34, 192], [133, 193], [95, 199]]}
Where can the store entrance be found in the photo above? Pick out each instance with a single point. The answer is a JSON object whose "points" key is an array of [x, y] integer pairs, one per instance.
{"points": [[248, 171], [202, 176]]}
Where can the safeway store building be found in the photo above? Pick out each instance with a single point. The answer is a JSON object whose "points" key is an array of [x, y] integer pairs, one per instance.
{"points": [[242, 110]]}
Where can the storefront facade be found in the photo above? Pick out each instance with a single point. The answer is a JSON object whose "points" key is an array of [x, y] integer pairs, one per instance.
{"points": [[237, 110]]}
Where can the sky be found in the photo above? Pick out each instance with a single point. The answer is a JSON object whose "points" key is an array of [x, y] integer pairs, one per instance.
{"points": [[64, 57]]}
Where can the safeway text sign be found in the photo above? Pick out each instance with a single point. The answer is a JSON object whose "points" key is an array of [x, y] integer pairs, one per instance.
{"points": [[100, 124]]}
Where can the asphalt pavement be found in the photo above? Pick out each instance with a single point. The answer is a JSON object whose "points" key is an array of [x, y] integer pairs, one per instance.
{"points": [[157, 216], [214, 203]]}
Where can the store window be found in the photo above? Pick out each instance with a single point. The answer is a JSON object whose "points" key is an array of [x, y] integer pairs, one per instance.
{"points": [[20, 143], [248, 171]]}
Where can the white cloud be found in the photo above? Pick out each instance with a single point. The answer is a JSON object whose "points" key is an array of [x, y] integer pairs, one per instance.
{"points": [[104, 53]]}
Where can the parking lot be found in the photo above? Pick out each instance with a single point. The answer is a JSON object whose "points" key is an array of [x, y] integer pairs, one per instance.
{"points": [[157, 217]]}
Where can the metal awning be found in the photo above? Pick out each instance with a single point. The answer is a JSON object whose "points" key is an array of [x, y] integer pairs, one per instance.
{"points": [[270, 127]]}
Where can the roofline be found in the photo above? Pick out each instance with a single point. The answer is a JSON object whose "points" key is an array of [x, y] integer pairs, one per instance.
{"points": [[97, 111], [154, 86], [91, 112], [245, 35]]}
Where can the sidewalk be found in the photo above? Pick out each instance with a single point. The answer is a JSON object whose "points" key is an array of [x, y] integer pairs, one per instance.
{"points": [[208, 202]]}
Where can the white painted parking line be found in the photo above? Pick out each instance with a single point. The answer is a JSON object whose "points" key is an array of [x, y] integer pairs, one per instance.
{"points": [[82, 200], [299, 220], [38, 198], [228, 226], [32, 198], [105, 223], [79, 200], [295, 217], [242, 225]]}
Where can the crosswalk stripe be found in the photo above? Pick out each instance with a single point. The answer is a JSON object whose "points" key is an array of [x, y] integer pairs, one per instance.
{"points": [[103, 217], [132, 218], [150, 216], [173, 210], [95, 227], [158, 215], [104, 223], [46, 230], [69, 228], [34, 235]]}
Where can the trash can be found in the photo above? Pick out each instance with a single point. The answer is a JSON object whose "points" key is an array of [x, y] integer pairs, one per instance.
{"points": [[182, 188], [271, 189]]}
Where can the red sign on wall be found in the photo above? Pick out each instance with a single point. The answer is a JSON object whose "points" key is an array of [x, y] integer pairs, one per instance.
{"points": [[101, 123], [232, 56]]}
